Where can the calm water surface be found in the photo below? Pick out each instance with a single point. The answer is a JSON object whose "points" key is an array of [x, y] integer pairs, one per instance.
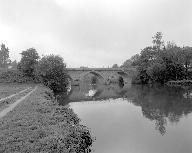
{"points": [[135, 119]]}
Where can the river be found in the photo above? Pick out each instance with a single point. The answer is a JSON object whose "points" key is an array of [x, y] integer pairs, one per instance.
{"points": [[135, 119]]}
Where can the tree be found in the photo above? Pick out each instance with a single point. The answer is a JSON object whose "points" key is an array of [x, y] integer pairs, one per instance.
{"points": [[159, 63], [172, 58], [115, 66], [52, 71], [127, 64], [170, 44], [186, 58], [14, 64], [156, 72], [158, 43], [133, 61], [4, 56], [148, 56], [28, 62]]}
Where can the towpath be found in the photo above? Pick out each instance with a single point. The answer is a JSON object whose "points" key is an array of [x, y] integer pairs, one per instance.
{"points": [[12, 106], [8, 97]]}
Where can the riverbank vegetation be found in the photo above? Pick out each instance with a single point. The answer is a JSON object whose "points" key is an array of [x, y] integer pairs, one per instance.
{"points": [[49, 70], [39, 124], [160, 62]]}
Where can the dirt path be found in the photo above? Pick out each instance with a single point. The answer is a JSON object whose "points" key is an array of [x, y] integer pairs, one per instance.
{"points": [[14, 94], [12, 106]]}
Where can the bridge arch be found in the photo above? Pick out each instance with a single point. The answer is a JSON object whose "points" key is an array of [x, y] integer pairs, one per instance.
{"points": [[96, 73], [103, 74]]}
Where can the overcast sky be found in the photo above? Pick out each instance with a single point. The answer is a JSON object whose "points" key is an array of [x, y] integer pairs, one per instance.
{"points": [[92, 33]]}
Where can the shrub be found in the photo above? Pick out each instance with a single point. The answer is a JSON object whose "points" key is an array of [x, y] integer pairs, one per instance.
{"points": [[15, 76], [52, 71]]}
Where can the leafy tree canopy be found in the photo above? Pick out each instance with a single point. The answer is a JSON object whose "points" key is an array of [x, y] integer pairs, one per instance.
{"points": [[52, 70], [161, 63], [28, 61], [4, 56], [115, 66]]}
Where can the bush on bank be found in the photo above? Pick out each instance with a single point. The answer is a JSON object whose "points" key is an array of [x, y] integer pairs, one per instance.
{"points": [[41, 125], [52, 72], [15, 76]]}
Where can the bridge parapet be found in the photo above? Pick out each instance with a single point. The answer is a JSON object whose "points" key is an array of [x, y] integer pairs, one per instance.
{"points": [[94, 69]]}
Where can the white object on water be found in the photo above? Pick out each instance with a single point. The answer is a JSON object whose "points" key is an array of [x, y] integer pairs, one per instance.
{"points": [[91, 93]]}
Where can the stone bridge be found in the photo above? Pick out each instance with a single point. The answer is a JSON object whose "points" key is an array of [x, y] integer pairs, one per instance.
{"points": [[104, 74]]}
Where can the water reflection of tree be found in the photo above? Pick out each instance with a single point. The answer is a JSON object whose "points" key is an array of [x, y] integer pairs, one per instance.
{"points": [[161, 104], [158, 117]]}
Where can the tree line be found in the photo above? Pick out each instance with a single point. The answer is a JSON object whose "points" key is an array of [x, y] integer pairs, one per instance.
{"points": [[49, 70], [160, 62]]}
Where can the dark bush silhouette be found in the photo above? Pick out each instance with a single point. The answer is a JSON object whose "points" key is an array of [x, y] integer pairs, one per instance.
{"points": [[52, 72]]}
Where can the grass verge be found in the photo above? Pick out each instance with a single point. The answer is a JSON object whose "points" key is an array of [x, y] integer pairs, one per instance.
{"points": [[39, 124]]}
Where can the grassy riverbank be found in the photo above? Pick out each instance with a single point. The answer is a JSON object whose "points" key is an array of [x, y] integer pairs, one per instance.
{"points": [[39, 124]]}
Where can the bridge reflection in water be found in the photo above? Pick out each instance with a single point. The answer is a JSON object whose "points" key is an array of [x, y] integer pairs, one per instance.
{"points": [[92, 92], [124, 117], [135, 119], [159, 104]]}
